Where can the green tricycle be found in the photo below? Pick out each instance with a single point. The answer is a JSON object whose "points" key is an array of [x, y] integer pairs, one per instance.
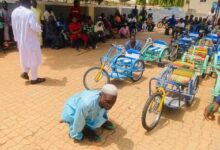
{"points": [[196, 58], [156, 51]]}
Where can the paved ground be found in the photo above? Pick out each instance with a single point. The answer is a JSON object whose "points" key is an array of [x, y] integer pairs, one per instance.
{"points": [[29, 114]]}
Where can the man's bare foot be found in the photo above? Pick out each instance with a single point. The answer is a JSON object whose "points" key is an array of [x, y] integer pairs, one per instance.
{"points": [[212, 117]]}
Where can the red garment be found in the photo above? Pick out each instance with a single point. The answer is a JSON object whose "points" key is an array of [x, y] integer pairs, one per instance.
{"points": [[73, 27], [75, 12]]}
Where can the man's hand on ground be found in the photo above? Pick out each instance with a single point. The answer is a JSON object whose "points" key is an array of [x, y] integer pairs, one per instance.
{"points": [[91, 135], [108, 125]]}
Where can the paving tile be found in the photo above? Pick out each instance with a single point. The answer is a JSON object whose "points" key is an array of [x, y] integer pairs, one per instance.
{"points": [[30, 114]]}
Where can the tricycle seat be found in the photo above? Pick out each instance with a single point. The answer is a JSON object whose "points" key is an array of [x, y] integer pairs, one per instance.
{"points": [[160, 44], [179, 79], [182, 75], [199, 52], [212, 37], [194, 35], [180, 64], [133, 54]]}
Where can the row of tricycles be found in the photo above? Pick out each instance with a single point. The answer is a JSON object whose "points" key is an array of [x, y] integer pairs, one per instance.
{"points": [[185, 60]]}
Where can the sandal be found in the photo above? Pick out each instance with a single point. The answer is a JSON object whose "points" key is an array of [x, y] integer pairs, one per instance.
{"points": [[38, 80], [108, 125], [25, 76]]}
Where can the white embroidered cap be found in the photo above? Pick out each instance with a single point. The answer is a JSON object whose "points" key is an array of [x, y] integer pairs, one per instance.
{"points": [[110, 89]]}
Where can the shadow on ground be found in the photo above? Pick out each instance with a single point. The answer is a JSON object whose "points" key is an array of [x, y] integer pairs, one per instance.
{"points": [[175, 115], [51, 82], [127, 82], [115, 136]]}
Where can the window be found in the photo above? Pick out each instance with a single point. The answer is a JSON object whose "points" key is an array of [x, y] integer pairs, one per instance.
{"points": [[202, 0]]}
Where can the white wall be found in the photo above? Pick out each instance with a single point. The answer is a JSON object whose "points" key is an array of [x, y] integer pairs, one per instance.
{"points": [[201, 7]]}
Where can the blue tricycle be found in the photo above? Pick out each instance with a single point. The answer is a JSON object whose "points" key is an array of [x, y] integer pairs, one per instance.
{"points": [[118, 63], [182, 44]]}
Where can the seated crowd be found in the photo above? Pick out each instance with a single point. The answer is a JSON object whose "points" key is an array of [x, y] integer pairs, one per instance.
{"points": [[82, 31], [191, 24]]}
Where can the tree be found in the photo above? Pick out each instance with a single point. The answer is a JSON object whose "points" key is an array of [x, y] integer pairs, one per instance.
{"points": [[141, 2], [167, 3]]}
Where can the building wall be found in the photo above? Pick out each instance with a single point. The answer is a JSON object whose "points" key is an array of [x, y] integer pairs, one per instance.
{"points": [[200, 8]]}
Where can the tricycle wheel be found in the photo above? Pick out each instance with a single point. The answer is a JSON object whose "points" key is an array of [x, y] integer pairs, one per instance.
{"points": [[173, 53], [196, 84], [95, 78], [159, 25], [151, 115], [137, 70], [203, 75], [193, 92], [211, 74], [164, 58]]}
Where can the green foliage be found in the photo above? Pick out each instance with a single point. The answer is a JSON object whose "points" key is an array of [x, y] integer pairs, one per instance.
{"points": [[167, 3], [141, 2]]}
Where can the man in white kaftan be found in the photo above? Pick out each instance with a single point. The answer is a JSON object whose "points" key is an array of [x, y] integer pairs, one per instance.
{"points": [[26, 29]]}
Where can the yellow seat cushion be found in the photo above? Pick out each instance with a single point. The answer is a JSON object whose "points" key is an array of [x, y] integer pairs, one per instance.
{"points": [[183, 65], [184, 72], [199, 51], [179, 79]]}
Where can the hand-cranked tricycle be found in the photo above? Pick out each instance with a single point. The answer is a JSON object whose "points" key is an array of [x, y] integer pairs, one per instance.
{"points": [[183, 43], [118, 63], [156, 50], [175, 87], [196, 58]]}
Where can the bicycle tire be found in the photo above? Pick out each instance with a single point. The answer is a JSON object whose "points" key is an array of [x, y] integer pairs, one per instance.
{"points": [[92, 69], [159, 25], [141, 73], [144, 113]]}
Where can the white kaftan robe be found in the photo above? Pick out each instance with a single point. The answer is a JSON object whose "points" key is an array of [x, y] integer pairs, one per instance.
{"points": [[25, 30]]}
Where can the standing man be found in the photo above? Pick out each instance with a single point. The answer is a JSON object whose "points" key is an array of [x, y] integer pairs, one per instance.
{"points": [[38, 15], [26, 29], [143, 13], [134, 12]]}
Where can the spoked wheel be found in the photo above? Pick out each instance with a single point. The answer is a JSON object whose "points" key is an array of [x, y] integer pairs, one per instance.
{"points": [[151, 115], [173, 53], [159, 25], [196, 84], [137, 70], [95, 78], [193, 91], [164, 58]]}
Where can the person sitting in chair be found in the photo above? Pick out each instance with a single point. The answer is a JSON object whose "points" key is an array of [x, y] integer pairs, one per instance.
{"points": [[86, 111], [133, 43], [51, 32], [99, 30], [76, 35], [171, 24], [179, 27]]}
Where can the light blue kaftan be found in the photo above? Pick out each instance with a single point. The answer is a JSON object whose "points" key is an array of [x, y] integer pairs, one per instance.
{"points": [[138, 45], [83, 110]]}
